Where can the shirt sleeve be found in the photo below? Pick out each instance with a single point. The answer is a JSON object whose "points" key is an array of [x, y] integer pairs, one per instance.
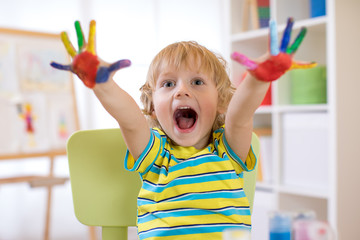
{"points": [[148, 156], [250, 162]]}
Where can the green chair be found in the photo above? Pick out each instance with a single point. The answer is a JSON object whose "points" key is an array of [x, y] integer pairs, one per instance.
{"points": [[104, 193]]}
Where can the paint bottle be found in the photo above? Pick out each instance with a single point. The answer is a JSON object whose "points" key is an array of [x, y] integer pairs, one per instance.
{"points": [[311, 229], [300, 224], [280, 225]]}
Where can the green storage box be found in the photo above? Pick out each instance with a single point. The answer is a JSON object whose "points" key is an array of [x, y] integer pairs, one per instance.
{"points": [[308, 86]]}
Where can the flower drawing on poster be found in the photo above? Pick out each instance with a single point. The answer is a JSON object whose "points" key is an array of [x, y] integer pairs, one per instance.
{"points": [[32, 112], [27, 115], [61, 119]]}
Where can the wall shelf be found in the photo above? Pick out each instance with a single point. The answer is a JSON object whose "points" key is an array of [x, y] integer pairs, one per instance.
{"points": [[315, 47]]}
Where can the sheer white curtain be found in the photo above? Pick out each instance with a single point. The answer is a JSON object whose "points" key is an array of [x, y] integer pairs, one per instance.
{"points": [[142, 28]]}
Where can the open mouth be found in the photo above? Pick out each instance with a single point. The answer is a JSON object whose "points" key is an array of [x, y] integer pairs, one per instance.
{"points": [[185, 118]]}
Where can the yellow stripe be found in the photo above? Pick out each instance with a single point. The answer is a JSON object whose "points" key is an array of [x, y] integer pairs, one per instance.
{"points": [[190, 237], [130, 161], [91, 42], [179, 221], [204, 168], [69, 47], [250, 160], [187, 152], [195, 187], [197, 204], [146, 162]]}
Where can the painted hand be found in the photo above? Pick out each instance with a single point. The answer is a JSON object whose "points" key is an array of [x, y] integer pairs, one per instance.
{"points": [[280, 59], [86, 64]]}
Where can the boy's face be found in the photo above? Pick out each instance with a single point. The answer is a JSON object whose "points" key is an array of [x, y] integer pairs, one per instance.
{"points": [[186, 104]]}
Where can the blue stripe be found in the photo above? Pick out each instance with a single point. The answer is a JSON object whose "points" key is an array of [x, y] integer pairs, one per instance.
{"points": [[224, 193], [192, 162], [139, 161], [236, 158], [193, 175], [216, 143], [185, 212], [191, 179], [144, 201], [158, 169], [187, 209], [233, 155], [196, 161], [166, 154], [191, 229], [145, 152], [219, 130]]}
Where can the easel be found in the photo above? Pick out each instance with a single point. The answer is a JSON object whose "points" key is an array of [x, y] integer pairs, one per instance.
{"points": [[49, 180], [250, 7]]}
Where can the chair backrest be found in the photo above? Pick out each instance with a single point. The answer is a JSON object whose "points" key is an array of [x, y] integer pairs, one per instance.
{"points": [[104, 193]]}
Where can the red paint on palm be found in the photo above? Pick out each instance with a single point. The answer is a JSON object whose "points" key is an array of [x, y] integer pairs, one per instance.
{"points": [[85, 66], [273, 68]]}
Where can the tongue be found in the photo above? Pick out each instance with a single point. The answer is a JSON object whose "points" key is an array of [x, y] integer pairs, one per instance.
{"points": [[185, 123]]}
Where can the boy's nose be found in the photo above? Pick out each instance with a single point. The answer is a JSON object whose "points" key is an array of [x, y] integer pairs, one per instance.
{"points": [[182, 91]]}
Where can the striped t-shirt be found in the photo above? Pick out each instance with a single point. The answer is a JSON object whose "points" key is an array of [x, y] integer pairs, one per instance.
{"points": [[189, 193]]}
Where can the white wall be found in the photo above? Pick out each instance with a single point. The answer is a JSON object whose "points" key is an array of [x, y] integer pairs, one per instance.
{"points": [[347, 122], [135, 29]]}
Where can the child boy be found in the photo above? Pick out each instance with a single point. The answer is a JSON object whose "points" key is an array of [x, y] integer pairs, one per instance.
{"points": [[192, 158]]}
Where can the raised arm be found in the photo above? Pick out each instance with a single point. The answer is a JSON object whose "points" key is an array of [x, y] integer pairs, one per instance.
{"points": [[98, 75], [250, 93]]}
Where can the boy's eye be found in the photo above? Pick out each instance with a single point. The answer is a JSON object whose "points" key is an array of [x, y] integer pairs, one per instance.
{"points": [[198, 82], [168, 84]]}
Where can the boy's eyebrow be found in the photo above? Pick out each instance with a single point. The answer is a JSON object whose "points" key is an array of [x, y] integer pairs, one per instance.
{"points": [[166, 74]]}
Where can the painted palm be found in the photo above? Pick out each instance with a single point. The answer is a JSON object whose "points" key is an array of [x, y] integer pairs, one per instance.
{"points": [[280, 59], [86, 64]]}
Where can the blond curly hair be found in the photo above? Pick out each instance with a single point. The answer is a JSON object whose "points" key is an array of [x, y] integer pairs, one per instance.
{"points": [[181, 54]]}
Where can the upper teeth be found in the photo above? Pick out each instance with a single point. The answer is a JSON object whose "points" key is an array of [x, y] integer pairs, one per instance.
{"points": [[184, 107]]}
